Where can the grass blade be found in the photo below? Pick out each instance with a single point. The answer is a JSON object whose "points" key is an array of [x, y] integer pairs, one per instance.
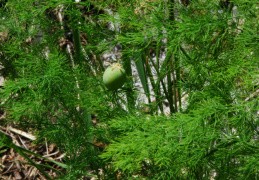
{"points": [[138, 58]]}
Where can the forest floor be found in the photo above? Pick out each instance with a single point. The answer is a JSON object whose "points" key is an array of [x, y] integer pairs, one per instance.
{"points": [[13, 166]]}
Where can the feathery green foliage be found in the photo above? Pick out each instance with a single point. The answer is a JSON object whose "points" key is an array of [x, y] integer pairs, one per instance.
{"points": [[200, 57]]}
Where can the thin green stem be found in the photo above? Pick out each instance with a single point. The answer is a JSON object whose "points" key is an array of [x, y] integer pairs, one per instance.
{"points": [[178, 82], [167, 65], [145, 76], [160, 79], [185, 53], [86, 116], [174, 86], [129, 83], [156, 86], [171, 11]]}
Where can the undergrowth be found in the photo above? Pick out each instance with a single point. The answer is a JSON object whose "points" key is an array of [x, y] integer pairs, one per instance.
{"points": [[200, 58]]}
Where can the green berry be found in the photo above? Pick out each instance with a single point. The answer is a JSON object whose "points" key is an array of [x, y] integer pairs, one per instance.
{"points": [[114, 76]]}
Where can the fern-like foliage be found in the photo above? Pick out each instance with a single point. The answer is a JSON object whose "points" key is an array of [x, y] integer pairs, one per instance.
{"points": [[51, 58]]}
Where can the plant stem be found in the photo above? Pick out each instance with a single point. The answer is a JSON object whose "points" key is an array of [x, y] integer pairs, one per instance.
{"points": [[160, 79], [156, 86], [129, 83], [167, 65], [86, 116]]}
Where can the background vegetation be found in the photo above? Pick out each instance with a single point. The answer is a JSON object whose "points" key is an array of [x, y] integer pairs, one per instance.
{"points": [[200, 58]]}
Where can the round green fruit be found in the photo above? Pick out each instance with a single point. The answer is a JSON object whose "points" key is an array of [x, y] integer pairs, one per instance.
{"points": [[114, 76]]}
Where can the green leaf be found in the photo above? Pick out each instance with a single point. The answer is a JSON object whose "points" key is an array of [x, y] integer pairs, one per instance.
{"points": [[139, 61]]}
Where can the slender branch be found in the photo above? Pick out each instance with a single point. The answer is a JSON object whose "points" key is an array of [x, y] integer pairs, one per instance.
{"points": [[79, 56]]}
